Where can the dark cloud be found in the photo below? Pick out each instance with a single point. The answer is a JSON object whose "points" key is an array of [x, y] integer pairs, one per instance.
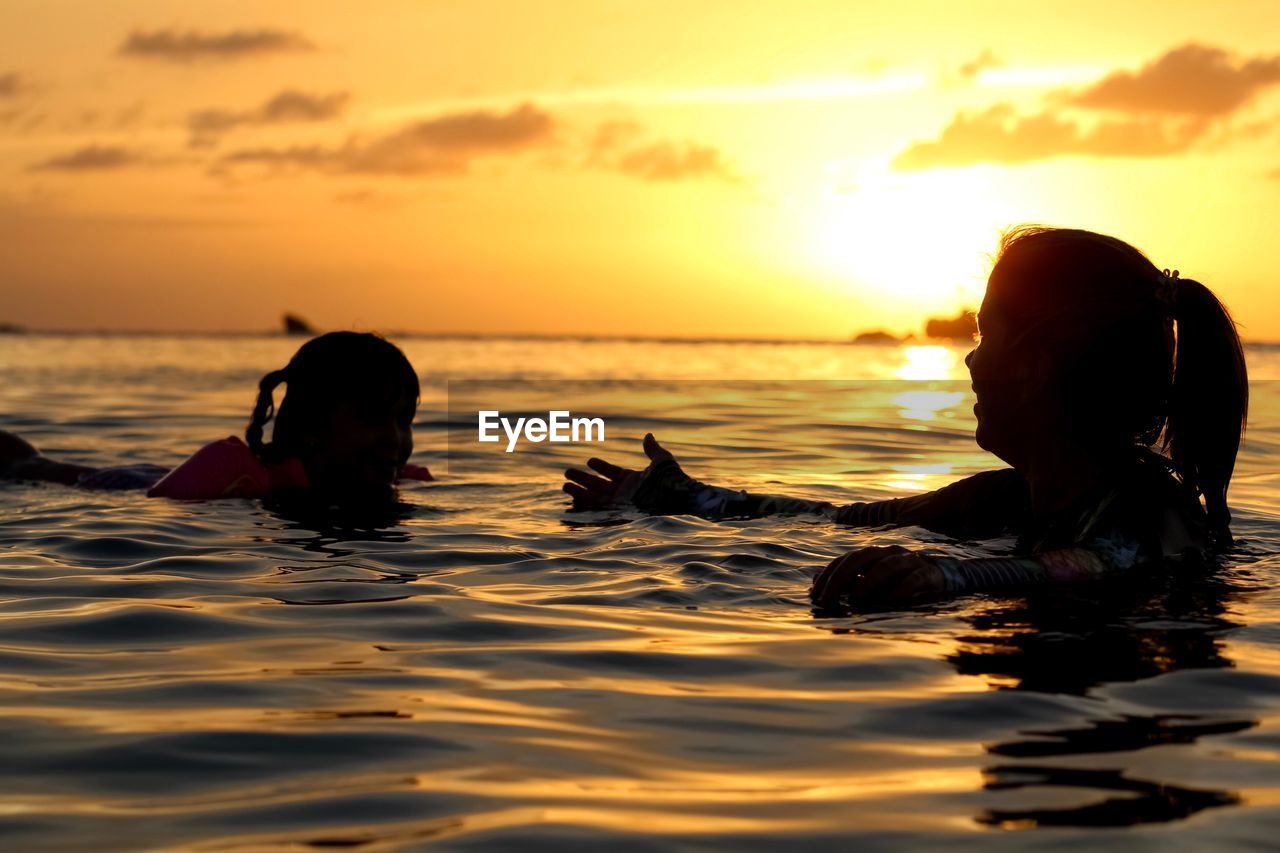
{"points": [[1190, 80], [444, 144], [619, 146], [999, 135], [289, 158], [193, 45], [475, 131], [91, 158], [208, 126], [11, 84], [669, 161], [987, 59]]}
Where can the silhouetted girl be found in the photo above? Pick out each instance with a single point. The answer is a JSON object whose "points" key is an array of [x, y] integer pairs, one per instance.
{"points": [[343, 431], [1117, 393]]}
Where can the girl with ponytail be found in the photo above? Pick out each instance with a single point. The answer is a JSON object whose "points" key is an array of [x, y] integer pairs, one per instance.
{"points": [[343, 430], [1115, 391]]}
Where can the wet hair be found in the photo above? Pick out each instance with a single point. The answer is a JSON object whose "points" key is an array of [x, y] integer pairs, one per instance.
{"points": [[360, 367], [1143, 356]]}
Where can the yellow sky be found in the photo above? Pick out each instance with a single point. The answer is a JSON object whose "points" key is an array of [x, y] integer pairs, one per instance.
{"points": [[790, 169]]}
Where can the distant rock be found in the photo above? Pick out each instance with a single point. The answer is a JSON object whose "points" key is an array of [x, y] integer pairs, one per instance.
{"points": [[961, 328], [12, 329], [295, 325]]}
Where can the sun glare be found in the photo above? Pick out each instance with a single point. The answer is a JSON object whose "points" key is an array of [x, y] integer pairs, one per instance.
{"points": [[922, 238]]}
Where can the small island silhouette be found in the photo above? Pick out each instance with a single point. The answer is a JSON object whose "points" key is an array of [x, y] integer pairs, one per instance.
{"points": [[962, 327]]}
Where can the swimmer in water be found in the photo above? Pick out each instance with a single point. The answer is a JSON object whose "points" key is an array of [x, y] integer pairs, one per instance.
{"points": [[343, 432], [1116, 392]]}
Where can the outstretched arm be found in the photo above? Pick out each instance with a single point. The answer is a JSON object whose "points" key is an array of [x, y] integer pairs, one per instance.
{"points": [[19, 460], [665, 488], [977, 507]]}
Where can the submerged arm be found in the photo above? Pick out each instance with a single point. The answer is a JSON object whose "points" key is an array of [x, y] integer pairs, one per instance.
{"points": [[1066, 565], [895, 574], [19, 460]]}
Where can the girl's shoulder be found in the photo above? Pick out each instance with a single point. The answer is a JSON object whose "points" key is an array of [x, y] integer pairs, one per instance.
{"points": [[1154, 510]]}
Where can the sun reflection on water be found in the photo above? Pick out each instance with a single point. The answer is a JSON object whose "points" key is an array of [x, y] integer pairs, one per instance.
{"points": [[928, 361], [926, 405]]}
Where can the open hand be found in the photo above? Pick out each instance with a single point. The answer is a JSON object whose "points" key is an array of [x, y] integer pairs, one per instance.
{"points": [[615, 485], [879, 574]]}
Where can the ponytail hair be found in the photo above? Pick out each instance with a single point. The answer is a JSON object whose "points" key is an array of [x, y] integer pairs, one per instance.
{"points": [[263, 411], [1209, 400]]}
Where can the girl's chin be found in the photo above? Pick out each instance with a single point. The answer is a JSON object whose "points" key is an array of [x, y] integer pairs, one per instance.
{"points": [[355, 491]]}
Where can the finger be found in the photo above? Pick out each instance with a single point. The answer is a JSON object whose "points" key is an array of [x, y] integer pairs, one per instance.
{"points": [[923, 579], [613, 472], [840, 581], [839, 575], [910, 585], [582, 478], [656, 452], [582, 499], [818, 591], [881, 582], [857, 569]]}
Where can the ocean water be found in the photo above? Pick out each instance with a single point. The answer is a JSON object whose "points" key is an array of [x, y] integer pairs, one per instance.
{"points": [[482, 670]]}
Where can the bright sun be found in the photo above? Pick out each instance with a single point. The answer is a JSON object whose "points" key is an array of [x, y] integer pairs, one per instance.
{"points": [[921, 239]]}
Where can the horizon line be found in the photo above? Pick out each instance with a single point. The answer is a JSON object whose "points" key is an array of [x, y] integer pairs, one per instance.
{"points": [[911, 338]]}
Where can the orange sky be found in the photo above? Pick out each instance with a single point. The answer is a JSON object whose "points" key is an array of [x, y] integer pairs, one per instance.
{"points": [[760, 169]]}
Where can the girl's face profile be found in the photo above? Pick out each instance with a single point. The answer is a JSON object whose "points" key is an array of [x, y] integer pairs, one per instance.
{"points": [[1000, 382]]}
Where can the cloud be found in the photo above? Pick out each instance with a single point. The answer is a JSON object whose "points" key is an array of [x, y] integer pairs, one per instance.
{"points": [[987, 59], [207, 127], [105, 119], [476, 130], [997, 134], [444, 144], [669, 161], [1181, 99], [11, 84], [193, 45], [1189, 80], [377, 199], [91, 158], [610, 136], [22, 120], [617, 145]]}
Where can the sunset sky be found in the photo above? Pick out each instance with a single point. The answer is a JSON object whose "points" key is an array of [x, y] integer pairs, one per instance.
{"points": [[791, 169]]}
